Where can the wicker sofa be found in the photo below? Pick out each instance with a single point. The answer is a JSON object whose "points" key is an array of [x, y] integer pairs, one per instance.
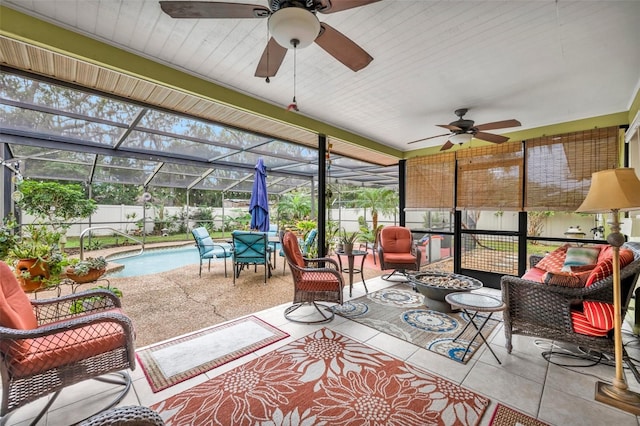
{"points": [[543, 310]]}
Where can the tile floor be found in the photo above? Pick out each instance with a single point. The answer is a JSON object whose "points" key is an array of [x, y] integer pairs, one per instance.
{"points": [[525, 380]]}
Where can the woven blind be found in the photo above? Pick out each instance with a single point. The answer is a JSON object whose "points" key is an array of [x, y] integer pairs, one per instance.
{"points": [[490, 177], [559, 167], [430, 181]]}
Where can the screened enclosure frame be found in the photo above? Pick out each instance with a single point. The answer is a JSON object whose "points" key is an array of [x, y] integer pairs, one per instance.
{"points": [[91, 137]]}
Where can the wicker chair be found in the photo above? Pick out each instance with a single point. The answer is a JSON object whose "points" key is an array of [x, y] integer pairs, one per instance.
{"points": [[314, 280], [396, 251], [542, 310], [135, 415], [45, 347]]}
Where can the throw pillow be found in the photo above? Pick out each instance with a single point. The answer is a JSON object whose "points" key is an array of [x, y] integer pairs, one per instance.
{"points": [[605, 268], [580, 256], [564, 279], [599, 314], [553, 261]]}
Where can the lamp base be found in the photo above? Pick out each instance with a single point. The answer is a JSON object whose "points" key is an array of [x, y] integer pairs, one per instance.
{"points": [[623, 399]]}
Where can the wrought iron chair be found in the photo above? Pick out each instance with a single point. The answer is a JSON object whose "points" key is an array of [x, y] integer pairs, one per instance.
{"points": [[397, 251], [314, 280], [251, 248], [47, 345], [208, 249]]}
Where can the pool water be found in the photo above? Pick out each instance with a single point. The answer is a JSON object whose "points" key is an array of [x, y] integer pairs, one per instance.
{"points": [[153, 261]]}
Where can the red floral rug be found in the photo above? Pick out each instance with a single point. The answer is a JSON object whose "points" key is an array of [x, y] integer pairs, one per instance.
{"points": [[325, 379]]}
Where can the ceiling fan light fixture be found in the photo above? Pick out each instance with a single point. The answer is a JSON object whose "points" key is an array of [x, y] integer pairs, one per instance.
{"points": [[293, 23], [460, 138]]}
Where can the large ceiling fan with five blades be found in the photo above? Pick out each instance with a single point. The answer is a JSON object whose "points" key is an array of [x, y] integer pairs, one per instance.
{"points": [[292, 24]]}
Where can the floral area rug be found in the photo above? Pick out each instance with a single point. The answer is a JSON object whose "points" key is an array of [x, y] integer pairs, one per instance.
{"points": [[174, 361], [325, 379], [401, 312], [505, 416]]}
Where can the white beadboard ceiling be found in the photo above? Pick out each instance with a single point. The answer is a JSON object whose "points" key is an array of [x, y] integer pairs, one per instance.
{"points": [[542, 62]]}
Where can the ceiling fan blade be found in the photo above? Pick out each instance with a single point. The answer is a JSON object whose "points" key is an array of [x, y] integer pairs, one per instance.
{"points": [[271, 59], [342, 48], [499, 125], [207, 9], [332, 6], [490, 137], [446, 146], [425, 139], [450, 127]]}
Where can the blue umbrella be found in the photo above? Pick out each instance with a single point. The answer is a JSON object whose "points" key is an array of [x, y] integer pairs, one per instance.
{"points": [[259, 206]]}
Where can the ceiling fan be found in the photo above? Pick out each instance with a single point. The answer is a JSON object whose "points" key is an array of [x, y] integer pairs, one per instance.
{"points": [[292, 24], [463, 130]]}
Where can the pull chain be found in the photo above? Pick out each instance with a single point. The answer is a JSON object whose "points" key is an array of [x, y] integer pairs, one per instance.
{"points": [[293, 106]]}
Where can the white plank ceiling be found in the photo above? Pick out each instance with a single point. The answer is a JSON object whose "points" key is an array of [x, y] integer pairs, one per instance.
{"points": [[542, 62]]}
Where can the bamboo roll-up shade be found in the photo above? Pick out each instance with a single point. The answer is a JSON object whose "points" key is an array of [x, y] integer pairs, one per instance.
{"points": [[559, 167], [490, 177], [430, 181]]}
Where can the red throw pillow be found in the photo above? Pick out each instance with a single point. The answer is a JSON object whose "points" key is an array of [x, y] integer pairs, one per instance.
{"points": [[599, 314], [553, 261], [605, 267]]}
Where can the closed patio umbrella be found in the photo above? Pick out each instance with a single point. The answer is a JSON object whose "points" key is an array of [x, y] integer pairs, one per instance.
{"points": [[259, 205]]}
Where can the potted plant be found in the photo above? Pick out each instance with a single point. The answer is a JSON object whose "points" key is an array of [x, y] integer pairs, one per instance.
{"points": [[37, 259], [348, 239], [86, 270]]}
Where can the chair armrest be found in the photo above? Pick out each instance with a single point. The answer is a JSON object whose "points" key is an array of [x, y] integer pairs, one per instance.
{"points": [[59, 308], [313, 262], [534, 259], [70, 324]]}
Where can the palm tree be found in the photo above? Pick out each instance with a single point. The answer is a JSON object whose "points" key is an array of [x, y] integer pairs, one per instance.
{"points": [[377, 200], [294, 206]]}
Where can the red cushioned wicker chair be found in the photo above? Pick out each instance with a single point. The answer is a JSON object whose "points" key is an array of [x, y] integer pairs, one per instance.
{"points": [[314, 280], [45, 347], [396, 251]]}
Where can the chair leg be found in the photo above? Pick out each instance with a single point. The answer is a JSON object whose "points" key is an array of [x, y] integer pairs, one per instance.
{"points": [[295, 306], [200, 271], [209, 265], [224, 259]]}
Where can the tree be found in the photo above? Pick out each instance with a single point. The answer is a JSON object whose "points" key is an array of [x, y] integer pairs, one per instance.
{"points": [[377, 200], [56, 203], [294, 206], [535, 223]]}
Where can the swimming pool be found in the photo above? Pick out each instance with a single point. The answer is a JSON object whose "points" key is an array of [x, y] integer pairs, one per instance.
{"points": [[153, 261]]}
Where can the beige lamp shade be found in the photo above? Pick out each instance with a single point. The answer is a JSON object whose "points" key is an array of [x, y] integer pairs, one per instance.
{"points": [[615, 189]]}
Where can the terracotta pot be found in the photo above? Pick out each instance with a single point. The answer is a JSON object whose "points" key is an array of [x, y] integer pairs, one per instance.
{"points": [[92, 275], [39, 271]]}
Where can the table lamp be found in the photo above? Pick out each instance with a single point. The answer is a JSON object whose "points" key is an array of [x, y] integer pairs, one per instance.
{"points": [[614, 191]]}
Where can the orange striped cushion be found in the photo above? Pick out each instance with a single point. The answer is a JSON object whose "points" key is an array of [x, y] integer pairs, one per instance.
{"points": [[599, 314], [564, 279], [582, 325]]}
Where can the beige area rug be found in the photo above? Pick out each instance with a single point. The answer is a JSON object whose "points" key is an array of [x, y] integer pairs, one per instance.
{"points": [[168, 363], [505, 416], [325, 379], [401, 312]]}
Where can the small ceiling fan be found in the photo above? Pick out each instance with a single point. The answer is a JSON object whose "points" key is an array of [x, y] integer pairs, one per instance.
{"points": [[463, 130], [292, 24]]}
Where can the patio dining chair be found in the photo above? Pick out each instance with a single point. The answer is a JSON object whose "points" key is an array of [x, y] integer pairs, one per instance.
{"points": [[209, 249], [47, 345], [251, 248]]}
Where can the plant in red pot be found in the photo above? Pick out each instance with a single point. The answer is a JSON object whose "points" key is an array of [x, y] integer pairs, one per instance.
{"points": [[86, 270]]}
